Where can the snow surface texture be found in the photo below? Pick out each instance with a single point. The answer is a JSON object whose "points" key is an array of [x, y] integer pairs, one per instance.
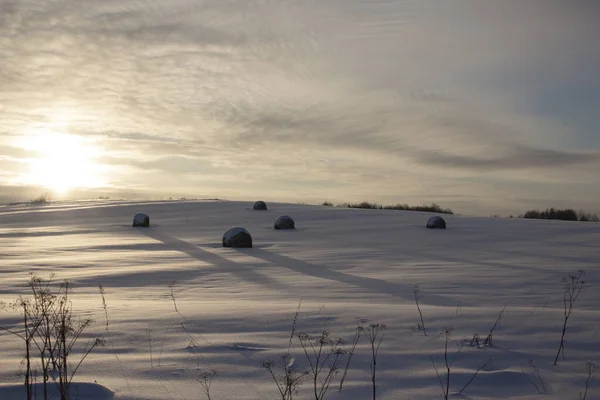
{"points": [[236, 306], [83, 391]]}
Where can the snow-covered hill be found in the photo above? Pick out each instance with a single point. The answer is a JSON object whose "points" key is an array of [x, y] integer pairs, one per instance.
{"points": [[237, 305]]}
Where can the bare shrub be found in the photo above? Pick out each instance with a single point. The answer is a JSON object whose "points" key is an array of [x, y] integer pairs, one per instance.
{"points": [[568, 214], [590, 368], [51, 331], [289, 379], [447, 332], [42, 199], [367, 205], [403, 207], [534, 377], [476, 340], [573, 285], [445, 386], [417, 293], [355, 339], [488, 340], [375, 333], [205, 380], [482, 366], [323, 354]]}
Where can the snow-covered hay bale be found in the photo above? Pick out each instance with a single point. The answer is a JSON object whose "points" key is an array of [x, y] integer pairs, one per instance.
{"points": [[284, 222], [237, 237], [141, 220], [260, 205], [436, 222]]}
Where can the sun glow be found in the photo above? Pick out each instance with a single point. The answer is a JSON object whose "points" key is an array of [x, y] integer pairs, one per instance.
{"points": [[61, 162]]}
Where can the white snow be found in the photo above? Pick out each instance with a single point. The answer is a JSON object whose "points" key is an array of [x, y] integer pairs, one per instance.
{"points": [[87, 391], [236, 306]]}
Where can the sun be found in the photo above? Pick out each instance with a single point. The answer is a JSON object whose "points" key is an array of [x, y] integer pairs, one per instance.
{"points": [[61, 162]]}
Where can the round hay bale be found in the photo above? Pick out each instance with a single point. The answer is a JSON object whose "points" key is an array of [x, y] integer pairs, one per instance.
{"points": [[436, 222], [141, 220], [260, 205], [237, 237], [284, 222]]}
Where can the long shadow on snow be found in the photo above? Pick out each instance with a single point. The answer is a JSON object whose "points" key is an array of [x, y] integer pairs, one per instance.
{"points": [[244, 272], [319, 271]]}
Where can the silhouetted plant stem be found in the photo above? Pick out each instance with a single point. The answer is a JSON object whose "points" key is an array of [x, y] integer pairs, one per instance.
{"points": [[417, 292], [573, 285]]}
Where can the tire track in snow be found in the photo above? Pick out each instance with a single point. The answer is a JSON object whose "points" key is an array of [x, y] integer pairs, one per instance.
{"points": [[370, 284], [373, 285], [222, 264]]}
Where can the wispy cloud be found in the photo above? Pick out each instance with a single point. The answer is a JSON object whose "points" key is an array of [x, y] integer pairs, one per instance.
{"points": [[518, 159], [385, 100]]}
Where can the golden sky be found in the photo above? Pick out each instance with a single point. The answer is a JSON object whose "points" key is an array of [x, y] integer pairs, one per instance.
{"points": [[481, 106]]}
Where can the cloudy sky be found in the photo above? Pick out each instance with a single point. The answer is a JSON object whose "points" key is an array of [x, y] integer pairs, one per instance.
{"points": [[482, 106]]}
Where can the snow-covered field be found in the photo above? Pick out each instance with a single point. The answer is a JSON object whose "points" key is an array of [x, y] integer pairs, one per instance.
{"points": [[237, 305]]}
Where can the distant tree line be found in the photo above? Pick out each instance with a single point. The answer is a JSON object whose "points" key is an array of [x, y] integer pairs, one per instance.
{"points": [[374, 206], [43, 198], [567, 214]]}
